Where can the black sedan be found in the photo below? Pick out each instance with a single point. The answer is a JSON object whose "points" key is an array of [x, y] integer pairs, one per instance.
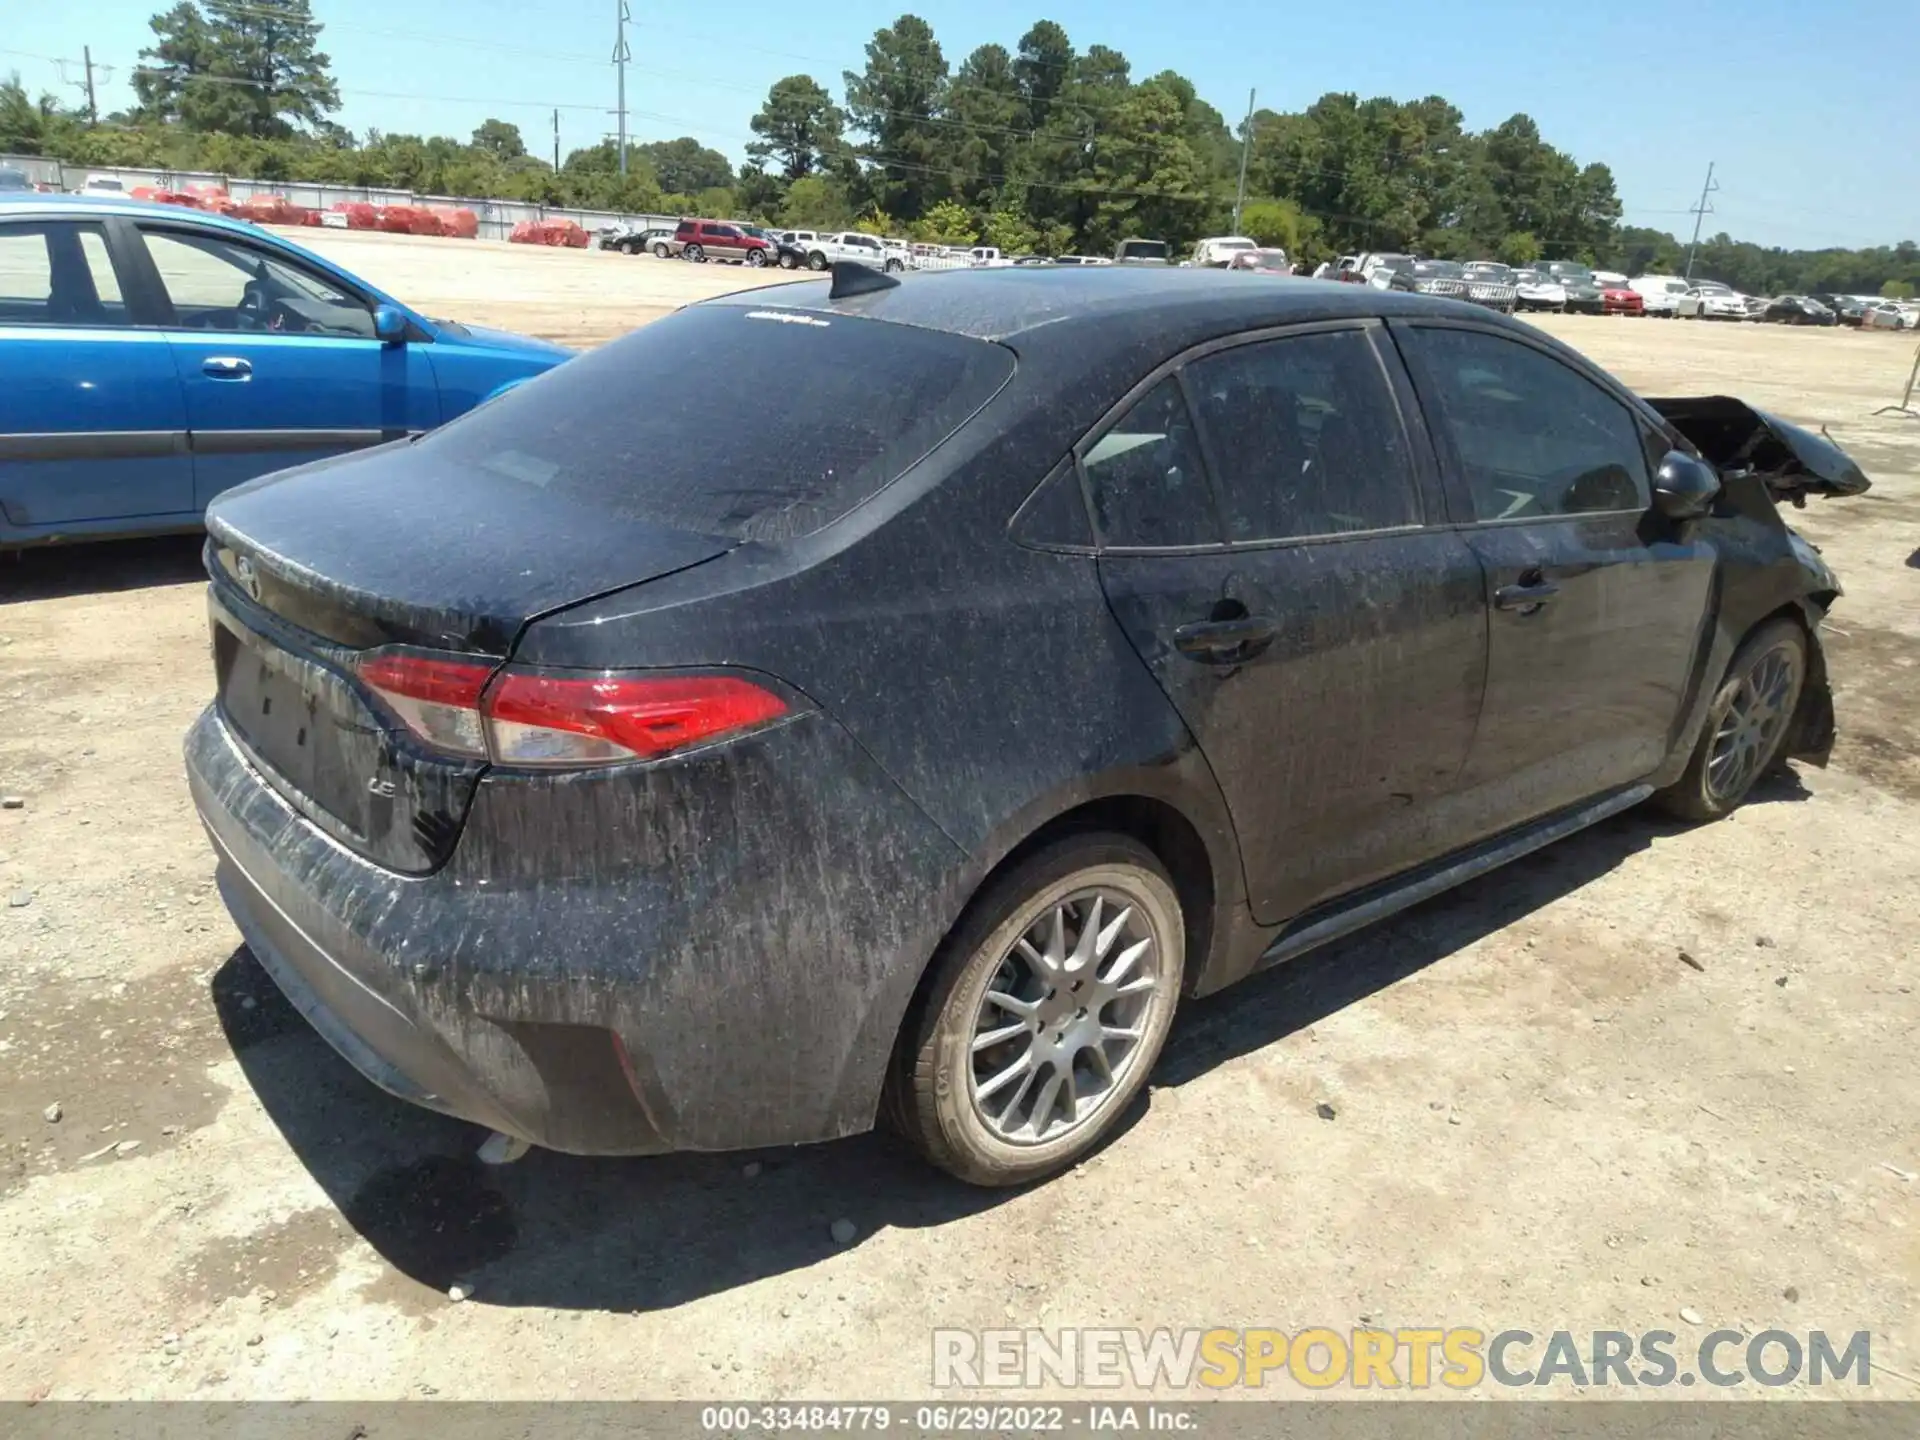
{"points": [[633, 766], [1798, 310]]}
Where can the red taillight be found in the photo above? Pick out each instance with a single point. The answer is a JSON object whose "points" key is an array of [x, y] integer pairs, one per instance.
{"points": [[438, 697], [535, 719], [524, 717]]}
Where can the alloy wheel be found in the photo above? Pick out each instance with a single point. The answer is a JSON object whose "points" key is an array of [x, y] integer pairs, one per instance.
{"points": [[1061, 1023], [1749, 733]]}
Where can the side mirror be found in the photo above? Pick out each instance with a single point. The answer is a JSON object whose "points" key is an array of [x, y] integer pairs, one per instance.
{"points": [[1685, 486], [389, 325]]}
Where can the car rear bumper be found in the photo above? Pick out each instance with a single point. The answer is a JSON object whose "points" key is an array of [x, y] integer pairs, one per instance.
{"points": [[620, 963]]}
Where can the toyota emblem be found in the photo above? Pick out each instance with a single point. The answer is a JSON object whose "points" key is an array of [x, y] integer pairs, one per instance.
{"points": [[248, 577]]}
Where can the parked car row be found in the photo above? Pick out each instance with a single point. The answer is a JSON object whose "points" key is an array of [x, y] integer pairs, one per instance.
{"points": [[1553, 286]]}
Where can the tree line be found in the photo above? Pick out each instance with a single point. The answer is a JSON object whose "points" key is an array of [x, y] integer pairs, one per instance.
{"points": [[1043, 146]]}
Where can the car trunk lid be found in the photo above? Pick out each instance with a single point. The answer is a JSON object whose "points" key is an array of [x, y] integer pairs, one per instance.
{"points": [[314, 568]]}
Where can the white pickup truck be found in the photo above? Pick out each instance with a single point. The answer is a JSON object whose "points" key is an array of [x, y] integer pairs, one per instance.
{"points": [[824, 250]]}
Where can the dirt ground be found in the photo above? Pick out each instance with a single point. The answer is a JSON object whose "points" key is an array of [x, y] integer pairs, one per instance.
{"points": [[1543, 1115]]}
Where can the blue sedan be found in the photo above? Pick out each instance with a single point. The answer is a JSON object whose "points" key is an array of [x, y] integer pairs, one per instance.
{"points": [[153, 356]]}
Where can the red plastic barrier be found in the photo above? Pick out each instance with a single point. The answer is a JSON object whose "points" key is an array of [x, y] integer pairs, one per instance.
{"points": [[550, 232], [360, 215], [270, 210], [457, 221]]}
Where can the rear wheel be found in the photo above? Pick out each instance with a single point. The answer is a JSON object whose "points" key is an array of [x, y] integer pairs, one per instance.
{"points": [[816, 261], [787, 260], [660, 249], [756, 258], [1746, 726], [694, 252], [1048, 1008]]}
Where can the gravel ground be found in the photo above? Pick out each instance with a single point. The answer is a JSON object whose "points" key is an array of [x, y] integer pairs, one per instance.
{"points": [[1651, 1071]]}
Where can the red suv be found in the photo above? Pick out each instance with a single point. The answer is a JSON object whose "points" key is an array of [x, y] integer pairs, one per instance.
{"points": [[718, 240]]}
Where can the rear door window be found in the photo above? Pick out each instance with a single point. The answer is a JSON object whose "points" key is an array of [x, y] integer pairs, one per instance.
{"points": [[1147, 479], [1305, 437], [58, 273], [855, 404]]}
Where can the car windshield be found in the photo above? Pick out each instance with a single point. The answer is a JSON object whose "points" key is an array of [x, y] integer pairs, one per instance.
{"points": [[1573, 275], [1268, 259], [1439, 269], [1713, 289], [620, 429], [1488, 270], [1144, 249]]}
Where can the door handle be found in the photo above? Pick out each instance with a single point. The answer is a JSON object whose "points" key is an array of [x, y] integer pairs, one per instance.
{"points": [[1527, 595], [1225, 641], [226, 367]]}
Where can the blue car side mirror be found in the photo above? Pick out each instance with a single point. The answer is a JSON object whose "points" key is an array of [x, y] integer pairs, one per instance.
{"points": [[389, 325]]}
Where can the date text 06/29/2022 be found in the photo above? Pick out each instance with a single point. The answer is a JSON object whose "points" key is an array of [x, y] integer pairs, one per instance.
{"points": [[944, 1419]]}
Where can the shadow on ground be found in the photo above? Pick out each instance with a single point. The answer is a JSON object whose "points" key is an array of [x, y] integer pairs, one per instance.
{"points": [[642, 1234], [52, 572]]}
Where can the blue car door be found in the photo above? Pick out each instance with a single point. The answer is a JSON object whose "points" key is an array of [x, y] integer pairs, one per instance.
{"points": [[92, 420], [278, 361]]}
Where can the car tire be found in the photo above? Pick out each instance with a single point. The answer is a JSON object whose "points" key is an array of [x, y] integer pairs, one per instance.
{"points": [[788, 261], [660, 250], [816, 261], [694, 253], [1746, 726], [894, 267], [757, 259], [1102, 886]]}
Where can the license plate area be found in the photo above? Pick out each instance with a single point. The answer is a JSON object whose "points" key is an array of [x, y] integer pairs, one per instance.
{"points": [[329, 753]]}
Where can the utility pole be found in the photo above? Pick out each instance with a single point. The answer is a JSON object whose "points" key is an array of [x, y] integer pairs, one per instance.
{"points": [[1700, 212], [621, 55], [93, 110], [1246, 144], [556, 141]]}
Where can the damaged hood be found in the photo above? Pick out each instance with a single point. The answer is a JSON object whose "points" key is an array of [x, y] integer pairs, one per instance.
{"points": [[1734, 436]]}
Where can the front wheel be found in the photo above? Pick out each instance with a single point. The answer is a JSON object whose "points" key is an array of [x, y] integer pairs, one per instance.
{"points": [[660, 250], [787, 260], [1746, 726], [1048, 1008]]}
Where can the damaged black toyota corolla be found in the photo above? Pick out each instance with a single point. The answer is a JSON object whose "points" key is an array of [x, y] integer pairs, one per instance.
{"points": [[904, 725]]}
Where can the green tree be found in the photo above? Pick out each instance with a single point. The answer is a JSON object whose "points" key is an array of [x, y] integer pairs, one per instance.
{"points": [[948, 223], [1011, 233], [1278, 222], [32, 127], [799, 127], [684, 166], [1519, 248], [238, 67], [1897, 289], [500, 139], [1042, 69], [895, 102], [817, 202]]}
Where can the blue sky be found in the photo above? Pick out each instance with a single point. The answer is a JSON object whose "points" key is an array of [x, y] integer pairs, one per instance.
{"points": [[1808, 111]]}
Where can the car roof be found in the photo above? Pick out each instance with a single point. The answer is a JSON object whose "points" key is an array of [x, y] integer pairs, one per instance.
{"points": [[75, 207], [1016, 300]]}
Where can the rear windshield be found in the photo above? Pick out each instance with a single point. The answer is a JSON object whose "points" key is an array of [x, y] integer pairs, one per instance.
{"points": [[745, 424], [1144, 249]]}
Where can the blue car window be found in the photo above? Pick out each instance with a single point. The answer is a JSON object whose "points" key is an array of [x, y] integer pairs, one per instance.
{"points": [[221, 284], [57, 273]]}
